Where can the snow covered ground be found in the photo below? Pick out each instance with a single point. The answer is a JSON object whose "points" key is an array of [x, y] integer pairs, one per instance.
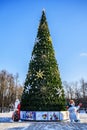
{"points": [[6, 124]]}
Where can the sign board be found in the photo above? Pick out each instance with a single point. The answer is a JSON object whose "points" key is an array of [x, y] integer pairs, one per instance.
{"points": [[44, 115]]}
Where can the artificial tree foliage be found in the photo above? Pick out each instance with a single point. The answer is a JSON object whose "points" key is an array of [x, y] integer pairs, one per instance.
{"points": [[43, 89]]}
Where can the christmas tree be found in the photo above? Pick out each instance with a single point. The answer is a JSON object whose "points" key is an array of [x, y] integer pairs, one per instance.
{"points": [[43, 87]]}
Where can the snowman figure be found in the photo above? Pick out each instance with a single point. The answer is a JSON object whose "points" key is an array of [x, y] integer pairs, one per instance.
{"points": [[73, 111]]}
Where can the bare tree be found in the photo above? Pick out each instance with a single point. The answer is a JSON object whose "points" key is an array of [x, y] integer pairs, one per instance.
{"points": [[3, 87], [66, 89], [9, 89], [16, 84], [83, 88]]}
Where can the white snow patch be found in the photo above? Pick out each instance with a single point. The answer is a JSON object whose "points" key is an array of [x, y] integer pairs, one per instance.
{"points": [[66, 125], [25, 127]]}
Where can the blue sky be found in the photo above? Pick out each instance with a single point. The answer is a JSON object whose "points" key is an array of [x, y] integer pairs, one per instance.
{"points": [[67, 21]]}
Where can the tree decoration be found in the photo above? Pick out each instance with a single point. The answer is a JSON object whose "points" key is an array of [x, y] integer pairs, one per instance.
{"points": [[43, 56], [37, 40], [45, 91], [40, 74], [49, 39]]}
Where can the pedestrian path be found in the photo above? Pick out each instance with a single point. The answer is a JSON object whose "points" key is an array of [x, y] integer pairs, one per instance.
{"points": [[53, 126]]}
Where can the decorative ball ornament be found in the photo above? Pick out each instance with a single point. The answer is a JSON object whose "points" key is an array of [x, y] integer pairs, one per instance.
{"points": [[43, 56], [40, 74], [43, 26], [43, 89]]}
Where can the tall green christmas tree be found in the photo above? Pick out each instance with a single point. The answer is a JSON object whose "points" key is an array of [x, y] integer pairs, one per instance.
{"points": [[43, 87]]}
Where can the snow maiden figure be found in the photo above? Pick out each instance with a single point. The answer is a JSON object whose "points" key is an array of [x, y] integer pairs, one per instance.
{"points": [[73, 114]]}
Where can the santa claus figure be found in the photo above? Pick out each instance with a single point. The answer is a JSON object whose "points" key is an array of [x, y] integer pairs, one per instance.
{"points": [[16, 103], [16, 113]]}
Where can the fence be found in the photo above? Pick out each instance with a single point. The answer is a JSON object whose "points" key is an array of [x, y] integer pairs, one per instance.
{"points": [[44, 115]]}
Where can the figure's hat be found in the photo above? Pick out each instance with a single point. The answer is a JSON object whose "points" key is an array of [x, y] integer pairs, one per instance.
{"points": [[71, 101]]}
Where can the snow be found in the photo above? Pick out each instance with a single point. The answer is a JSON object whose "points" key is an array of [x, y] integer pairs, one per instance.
{"points": [[6, 124], [5, 117]]}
